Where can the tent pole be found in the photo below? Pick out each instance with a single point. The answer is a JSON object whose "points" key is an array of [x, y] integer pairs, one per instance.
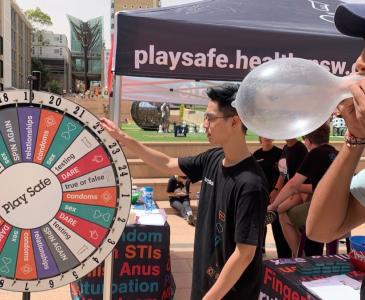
{"points": [[114, 115], [114, 102], [108, 277]]}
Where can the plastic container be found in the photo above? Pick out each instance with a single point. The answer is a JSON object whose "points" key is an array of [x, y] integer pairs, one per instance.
{"points": [[358, 259], [135, 196], [148, 198], [357, 242]]}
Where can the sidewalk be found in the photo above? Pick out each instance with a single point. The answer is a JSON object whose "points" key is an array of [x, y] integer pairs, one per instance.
{"points": [[181, 250]]}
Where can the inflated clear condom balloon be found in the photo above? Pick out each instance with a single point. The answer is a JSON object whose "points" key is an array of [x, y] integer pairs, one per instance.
{"points": [[290, 97]]}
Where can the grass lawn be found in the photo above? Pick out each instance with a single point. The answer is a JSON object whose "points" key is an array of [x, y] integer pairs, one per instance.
{"points": [[153, 136]]}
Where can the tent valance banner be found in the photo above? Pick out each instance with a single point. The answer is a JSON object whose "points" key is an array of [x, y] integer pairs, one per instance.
{"points": [[223, 39]]}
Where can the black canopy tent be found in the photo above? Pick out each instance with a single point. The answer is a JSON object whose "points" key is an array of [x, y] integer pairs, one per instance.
{"points": [[224, 39]]}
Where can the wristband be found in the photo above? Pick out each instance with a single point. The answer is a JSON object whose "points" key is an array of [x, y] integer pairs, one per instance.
{"points": [[353, 141]]}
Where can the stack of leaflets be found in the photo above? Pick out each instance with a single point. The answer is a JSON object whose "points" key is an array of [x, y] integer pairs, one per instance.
{"points": [[327, 265]]}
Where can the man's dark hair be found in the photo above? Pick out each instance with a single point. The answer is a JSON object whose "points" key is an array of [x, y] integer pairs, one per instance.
{"points": [[320, 135], [224, 95]]}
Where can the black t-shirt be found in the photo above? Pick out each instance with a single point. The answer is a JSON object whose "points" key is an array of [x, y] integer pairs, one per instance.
{"points": [[294, 156], [174, 185], [268, 160], [317, 162], [231, 210]]}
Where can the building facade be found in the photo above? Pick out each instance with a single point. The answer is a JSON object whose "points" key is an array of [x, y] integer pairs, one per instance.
{"points": [[119, 5], [1, 46], [52, 50], [94, 66], [15, 46]]}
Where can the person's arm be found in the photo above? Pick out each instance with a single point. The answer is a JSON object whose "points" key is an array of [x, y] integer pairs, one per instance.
{"points": [[177, 193], [305, 188], [333, 211], [232, 271], [277, 188], [290, 188], [153, 158]]}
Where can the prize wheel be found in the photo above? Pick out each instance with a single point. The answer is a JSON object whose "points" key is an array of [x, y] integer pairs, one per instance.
{"points": [[65, 191]]}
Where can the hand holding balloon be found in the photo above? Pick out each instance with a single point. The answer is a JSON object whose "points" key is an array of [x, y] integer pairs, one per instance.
{"points": [[353, 110], [290, 97]]}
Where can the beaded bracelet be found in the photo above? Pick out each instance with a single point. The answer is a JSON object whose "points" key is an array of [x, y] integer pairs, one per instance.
{"points": [[353, 141]]}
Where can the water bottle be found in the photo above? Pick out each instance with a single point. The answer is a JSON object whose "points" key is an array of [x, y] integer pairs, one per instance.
{"points": [[290, 97], [148, 198]]}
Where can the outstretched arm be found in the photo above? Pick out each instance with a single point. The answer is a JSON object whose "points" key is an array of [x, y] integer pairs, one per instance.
{"points": [[153, 158], [333, 211]]}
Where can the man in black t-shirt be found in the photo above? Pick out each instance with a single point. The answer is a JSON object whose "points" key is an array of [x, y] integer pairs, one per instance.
{"points": [[292, 156], [268, 157], [314, 166], [227, 262]]}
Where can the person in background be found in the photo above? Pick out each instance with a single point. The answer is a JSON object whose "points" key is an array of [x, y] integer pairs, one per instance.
{"points": [[268, 157], [178, 189], [292, 156], [339, 126], [227, 261], [338, 203], [292, 214], [165, 114]]}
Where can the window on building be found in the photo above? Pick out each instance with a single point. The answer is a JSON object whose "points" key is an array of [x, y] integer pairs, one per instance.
{"points": [[33, 52], [40, 51], [1, 45], [1, 87], [1, 69]]}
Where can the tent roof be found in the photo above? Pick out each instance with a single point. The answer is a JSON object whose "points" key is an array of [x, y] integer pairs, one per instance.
{"points": [[288, 15], [224, 39]]}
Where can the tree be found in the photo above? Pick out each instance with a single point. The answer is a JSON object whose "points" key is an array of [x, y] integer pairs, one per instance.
{"points": [[37, 65], [38, 18], [88, 36], [54, 87]]}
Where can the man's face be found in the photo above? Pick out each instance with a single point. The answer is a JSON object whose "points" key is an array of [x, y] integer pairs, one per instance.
{"points": [[265, 141], [360, 62], [217, 125]]}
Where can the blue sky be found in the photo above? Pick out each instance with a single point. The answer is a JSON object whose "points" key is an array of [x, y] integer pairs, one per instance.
{"points": [[82, 9]]}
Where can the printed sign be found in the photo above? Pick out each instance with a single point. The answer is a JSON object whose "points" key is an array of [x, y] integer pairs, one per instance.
{"points": [[65, 204]]}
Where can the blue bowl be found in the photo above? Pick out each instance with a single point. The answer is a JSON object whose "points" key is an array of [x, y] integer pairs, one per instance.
{"points": [[357, 242]]}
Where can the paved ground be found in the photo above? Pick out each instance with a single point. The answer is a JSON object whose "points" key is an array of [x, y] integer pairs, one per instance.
{"points": [[182, 238]]}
